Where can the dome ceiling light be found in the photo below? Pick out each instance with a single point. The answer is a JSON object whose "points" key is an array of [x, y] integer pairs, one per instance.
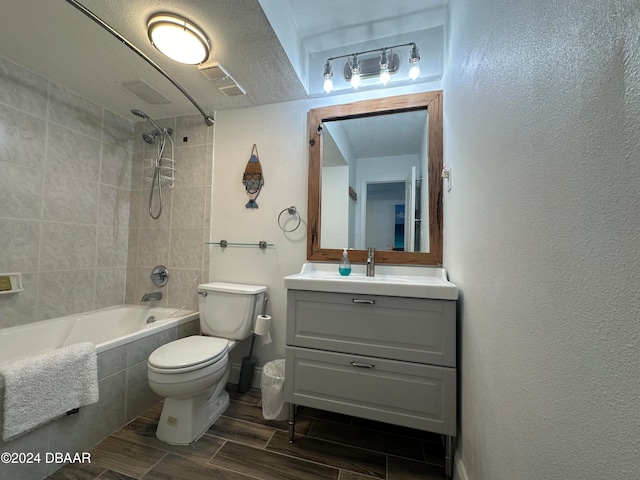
{"points": [[178, 38]]}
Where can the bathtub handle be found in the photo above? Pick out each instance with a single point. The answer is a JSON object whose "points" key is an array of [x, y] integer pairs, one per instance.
{"points": [[202, 292]]}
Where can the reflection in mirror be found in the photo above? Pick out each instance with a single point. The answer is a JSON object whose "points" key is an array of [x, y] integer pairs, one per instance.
{"points": [[374, 180], [380, 160]]}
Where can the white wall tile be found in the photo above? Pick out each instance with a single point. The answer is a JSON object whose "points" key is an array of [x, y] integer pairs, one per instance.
{"points": [[186, 248], [51, 158], [191, 166], [23, 137], [112, 246], [183, 288], [164, 220], [114, 206], [110, 286], [68, 199], [74, 112], [20, 240], [72, 154], [65, 293], [118, 130], [194, 128], [20, 191], [188, 207], [22, 89], [67, 246], [115, 168], [153, 247], [20, 308]]}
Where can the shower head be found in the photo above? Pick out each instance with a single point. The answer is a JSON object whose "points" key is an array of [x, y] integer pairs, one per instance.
{"points": [[150, 137], [141, 114]]}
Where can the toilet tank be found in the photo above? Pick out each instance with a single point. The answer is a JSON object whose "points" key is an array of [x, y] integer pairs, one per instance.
{"points": [[228, 310]]}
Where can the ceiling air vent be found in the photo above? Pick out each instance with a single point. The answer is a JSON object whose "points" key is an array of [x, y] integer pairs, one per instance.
{"points": [[232, 91], [144, 91], [214, 71], [225, 82]]}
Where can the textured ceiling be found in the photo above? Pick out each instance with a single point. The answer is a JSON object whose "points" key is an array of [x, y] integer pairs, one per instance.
{"points": [[60, 43], [52, 38]]}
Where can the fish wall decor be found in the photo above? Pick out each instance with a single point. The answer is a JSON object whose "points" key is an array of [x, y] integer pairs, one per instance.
{"points": [[252, 178]]}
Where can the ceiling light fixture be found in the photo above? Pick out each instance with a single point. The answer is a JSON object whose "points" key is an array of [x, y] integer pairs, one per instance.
{"points": [[178, 38], [382, 66]]}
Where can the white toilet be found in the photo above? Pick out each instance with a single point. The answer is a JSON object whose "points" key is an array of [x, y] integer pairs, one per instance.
{"points": [[191, 373]]}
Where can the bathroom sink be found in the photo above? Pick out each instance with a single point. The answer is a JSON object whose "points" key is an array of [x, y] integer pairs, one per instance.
{"points": [[392, 280], [363, 278]]}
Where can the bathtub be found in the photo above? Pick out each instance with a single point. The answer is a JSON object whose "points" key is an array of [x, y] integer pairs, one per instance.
{"points": [[106, 328], [124, 340]]}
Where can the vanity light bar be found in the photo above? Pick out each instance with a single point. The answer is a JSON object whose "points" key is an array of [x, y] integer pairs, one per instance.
{"points": [[384, 66]]}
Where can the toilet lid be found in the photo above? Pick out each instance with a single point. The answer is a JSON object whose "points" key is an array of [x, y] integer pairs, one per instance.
{"points": [[189, 351]]}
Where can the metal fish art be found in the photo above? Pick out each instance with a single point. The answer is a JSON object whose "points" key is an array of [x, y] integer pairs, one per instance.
{"points": [[252, 178]]}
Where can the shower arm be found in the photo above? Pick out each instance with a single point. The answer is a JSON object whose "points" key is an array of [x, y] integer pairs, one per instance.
{"points": [[207, 118]]}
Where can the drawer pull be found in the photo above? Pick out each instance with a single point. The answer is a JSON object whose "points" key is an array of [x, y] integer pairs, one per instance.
{"points": [[362, 301], [363, 365]]}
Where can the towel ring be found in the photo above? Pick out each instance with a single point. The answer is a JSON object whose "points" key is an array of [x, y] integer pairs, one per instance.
{"points": [[292, 211]]}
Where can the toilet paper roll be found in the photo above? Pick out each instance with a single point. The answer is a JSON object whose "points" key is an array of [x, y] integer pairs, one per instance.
{"points": [[261, 328]]}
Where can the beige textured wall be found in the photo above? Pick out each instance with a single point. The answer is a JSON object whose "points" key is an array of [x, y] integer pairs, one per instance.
{"points": [[542, 115]]}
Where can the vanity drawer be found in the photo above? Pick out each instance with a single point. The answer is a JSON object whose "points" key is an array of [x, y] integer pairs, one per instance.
{"points": [[411, 329], [402, 393]]}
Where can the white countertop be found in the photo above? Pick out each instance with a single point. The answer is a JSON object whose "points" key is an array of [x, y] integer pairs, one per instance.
{"points": [[392, 280]]}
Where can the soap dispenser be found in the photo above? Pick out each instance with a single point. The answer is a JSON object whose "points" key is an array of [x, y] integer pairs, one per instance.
{"points": [[345, 265]]}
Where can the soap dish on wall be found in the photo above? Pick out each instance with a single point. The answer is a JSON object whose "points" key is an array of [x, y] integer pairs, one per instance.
{"points": [[13, 281]]}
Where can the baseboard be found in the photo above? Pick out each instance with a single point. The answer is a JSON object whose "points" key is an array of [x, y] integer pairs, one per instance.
{"points": [[460, 472], [234, 376]]}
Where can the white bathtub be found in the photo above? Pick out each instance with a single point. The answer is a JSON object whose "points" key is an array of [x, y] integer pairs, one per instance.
{"points": [[107, 328], [123, 341]]}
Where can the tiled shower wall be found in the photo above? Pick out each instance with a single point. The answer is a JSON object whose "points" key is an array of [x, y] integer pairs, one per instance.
{"points": [[73, 204], [65, 179], [177, 238]]}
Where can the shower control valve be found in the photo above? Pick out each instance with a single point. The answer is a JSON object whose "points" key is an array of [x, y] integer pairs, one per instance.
{"points": [[159, 276]]}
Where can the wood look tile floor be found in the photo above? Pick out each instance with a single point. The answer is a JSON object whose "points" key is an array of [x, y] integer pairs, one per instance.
{"points": [[242, 445]]}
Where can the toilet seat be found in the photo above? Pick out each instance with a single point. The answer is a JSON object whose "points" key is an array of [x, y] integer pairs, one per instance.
{"points": [[188, 354]]}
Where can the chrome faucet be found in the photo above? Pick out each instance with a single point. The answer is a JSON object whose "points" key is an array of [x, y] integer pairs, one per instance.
{"points": [[371, 262], [148, 297]]}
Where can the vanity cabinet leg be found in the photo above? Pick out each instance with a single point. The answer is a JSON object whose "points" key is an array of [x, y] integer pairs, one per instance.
{"points": [[292, 422], [448, 456]]}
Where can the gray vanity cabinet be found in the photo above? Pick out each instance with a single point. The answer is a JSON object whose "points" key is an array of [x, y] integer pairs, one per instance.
{"points": [[391, 359]]}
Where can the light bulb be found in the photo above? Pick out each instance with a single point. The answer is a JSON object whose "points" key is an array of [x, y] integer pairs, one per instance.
{"points": [[355, 79], [328, 74], [355, 73], [414, 58], [385, 76], [328, 84], [414, 72]]}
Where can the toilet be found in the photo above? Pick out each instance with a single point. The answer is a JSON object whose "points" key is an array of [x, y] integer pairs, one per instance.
{"points": [[191, 373]]}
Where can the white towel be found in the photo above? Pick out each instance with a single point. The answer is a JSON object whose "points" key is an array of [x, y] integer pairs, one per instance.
{"points": [[41, 388]]}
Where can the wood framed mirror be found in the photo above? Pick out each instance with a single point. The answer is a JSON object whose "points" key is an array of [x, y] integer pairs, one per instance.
{"points": [[354, 211]]}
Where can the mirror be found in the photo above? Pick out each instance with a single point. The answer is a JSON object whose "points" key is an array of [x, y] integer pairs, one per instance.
{"points": [[374, 180]]}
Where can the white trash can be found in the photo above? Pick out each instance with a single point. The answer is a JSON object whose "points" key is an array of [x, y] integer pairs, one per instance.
{"points": [[272, 386]]}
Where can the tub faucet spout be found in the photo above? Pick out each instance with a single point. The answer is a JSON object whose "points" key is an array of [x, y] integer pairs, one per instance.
{"points": [[148, 297]]}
